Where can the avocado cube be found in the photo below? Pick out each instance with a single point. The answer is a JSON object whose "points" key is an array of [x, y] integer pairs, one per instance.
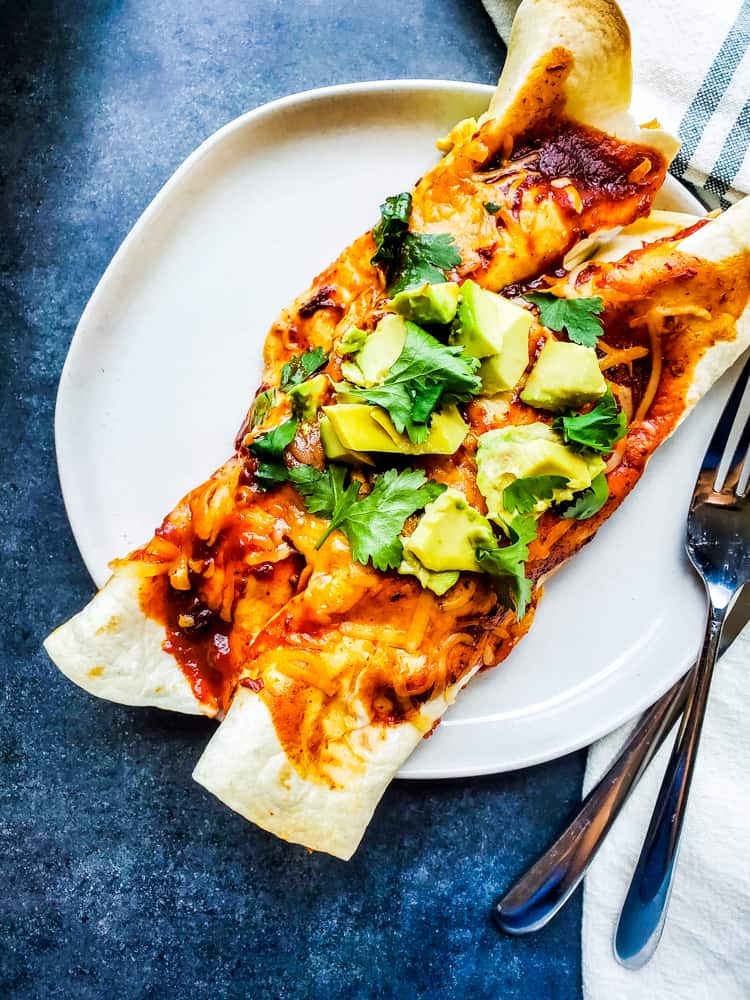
{"points": [[488, 324], [362, 428], [334, 449], [353, 340], [501, 372], [428, 304], [381, 349], [438, 583], [565, 377], [446, 435], [355, 429], [306, 397], [449, 533], [519, 452]]}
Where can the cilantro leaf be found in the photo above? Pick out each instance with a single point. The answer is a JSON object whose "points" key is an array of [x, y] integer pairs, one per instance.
{"points": [[426, 374], [522, 494], [410, 258], [578, 317], [302, 366], [389, 232], [506, 566], [269, 449], [322, 491], [268, 475], [590, 501], [491, 207], [424, 257], [599, 429], [262, 407], [373, 523]]}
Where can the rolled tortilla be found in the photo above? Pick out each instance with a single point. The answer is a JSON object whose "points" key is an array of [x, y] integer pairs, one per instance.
{"points": [[246, 767], [113, 650], [585, 45]]}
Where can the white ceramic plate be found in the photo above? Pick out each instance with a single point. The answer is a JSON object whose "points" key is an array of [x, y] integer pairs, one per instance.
{"points": [[167, 356]]}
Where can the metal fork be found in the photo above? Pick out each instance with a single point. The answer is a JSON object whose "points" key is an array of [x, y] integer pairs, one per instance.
{"points": [[718, 546]]}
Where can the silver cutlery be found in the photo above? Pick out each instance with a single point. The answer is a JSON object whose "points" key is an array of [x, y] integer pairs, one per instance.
{"points": [[546, 887], [718, 546]]}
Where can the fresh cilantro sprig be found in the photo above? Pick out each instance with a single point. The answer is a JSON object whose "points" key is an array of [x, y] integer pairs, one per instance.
{"points": [[506, 566], [521, 495], [590, 501], [302, 366], [372, 523], [269, 450], [425, 257], [390, 231], [578, 317], [599, 429], [426, 374], [491, 207], [410, 258], [262, 406]]}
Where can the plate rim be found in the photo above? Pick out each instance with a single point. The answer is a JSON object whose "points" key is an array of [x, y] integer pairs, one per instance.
{"points": [[154, 206]]}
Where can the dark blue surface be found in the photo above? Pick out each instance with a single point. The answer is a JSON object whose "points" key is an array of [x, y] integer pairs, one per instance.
{"points": [[119, 876]]}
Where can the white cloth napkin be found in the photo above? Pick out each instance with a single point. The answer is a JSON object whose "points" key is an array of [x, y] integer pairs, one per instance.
{"points": [[705, 951], [691, 70]]}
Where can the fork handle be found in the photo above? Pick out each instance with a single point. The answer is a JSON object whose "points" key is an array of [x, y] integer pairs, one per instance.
{"points": [[546, 887], [645, 910]]}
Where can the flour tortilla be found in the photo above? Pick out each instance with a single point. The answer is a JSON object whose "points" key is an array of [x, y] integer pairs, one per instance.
{"points": [[244, 764], [112, 650], [720, 239], [598, 88]]}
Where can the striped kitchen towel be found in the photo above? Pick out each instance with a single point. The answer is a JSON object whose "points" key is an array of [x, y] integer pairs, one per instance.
{"points": [[691, 70]]}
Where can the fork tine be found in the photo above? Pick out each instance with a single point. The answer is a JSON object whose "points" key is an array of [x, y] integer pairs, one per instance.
{"points": [[729, 443], [741, 488]]}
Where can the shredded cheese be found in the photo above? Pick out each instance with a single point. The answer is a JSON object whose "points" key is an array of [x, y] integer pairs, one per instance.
{"points": [[460, 596], [420, 621], [622, 357], [446, 652], [384, 635]]}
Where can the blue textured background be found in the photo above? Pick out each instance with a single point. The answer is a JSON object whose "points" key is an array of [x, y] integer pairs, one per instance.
{"points": [[119, 877]]}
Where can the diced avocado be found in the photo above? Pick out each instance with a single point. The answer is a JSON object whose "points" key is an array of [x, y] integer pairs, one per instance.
{"points": [[518, 452], [356, 430], [352, 341], [363, 428], [372, 363], [449, 533], [565, 377], [335, 450], [428, 303], [305, 397], [488, 324], [438, 583], [502, 371], [448, 430]]}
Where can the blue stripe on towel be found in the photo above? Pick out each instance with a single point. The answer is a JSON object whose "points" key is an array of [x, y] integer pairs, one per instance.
{"points": [[729, 160], [711, 91]]}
